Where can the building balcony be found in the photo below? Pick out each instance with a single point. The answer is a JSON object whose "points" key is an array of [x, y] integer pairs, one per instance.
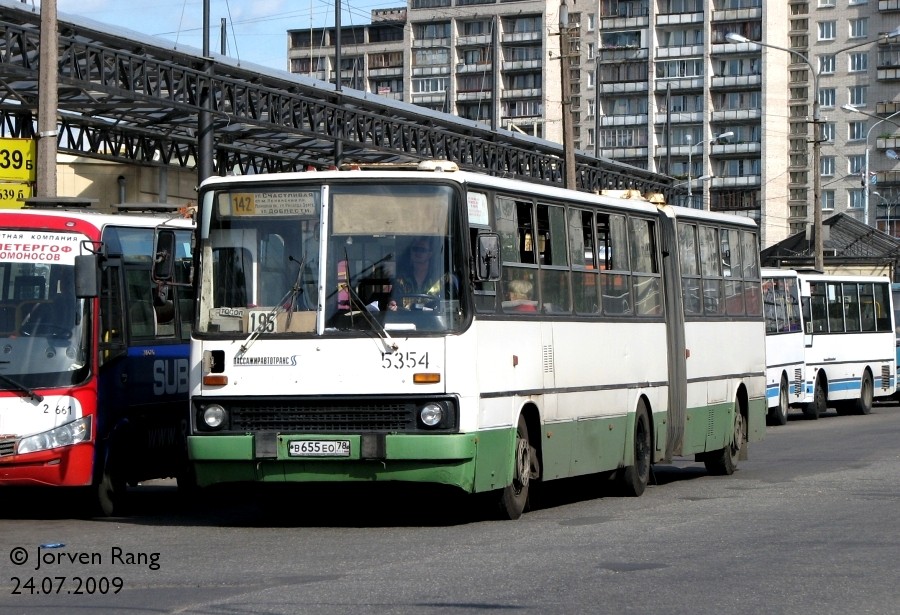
{"points": [[391, 71], [745, 181], [521, 37], [624, 152], [679, 117], [737, 81], [889, 74], [476, 39], [887, 178], [519, 65], [430, 43], [677, 19], [726, 149], [521, 93], [887, 6], [471, 96], [482, 67], [430, 97], [751, 14], [739, 115], [888, 142], [625, 87], [679, 83], [619, 54], [425, 71], [886, 108], [624, 120], [686, 51], [625, 23]]}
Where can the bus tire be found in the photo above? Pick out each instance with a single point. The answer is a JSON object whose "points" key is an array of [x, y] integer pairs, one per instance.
{"points": [[863, 405], [723, 462], [108, 494], [778, 414], [633, 479], [817, 407], [514, 497]]}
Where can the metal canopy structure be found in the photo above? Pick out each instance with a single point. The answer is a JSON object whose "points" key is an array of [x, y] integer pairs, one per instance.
{"points": [[131, 98]]}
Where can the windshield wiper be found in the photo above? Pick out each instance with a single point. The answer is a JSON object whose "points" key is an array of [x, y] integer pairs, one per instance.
{"points": [[390, 345], [290, 296], [21, 388]]}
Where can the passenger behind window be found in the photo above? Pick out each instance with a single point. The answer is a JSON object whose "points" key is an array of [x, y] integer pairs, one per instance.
{"points": [[521, 297]]}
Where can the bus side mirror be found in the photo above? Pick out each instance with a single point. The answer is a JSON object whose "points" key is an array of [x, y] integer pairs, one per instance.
{"points": [[166, 268], [164, 256], [87, 278], [487, 258]]}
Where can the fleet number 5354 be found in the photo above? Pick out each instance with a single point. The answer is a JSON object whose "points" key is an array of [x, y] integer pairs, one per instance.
{"points": [[404, 360]]}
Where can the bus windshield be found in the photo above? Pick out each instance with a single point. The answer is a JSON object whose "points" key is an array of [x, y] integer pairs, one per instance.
{"points": [[391, 260], [43, 327]]}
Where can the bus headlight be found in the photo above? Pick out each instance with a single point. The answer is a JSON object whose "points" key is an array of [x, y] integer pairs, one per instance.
{"points": [[65, 435], [431, 414], [214, 416]]}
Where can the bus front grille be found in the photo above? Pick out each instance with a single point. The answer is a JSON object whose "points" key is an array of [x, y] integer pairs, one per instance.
{"points": [[323, 419], [326, 415], [7, 446]]}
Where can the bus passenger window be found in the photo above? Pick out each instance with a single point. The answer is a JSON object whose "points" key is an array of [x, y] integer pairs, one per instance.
{"points": [[690, 269], [584, 267], [615, 277]]}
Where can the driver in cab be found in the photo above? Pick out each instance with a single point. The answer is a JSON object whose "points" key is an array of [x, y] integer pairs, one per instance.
{"points": [[419, 279]]}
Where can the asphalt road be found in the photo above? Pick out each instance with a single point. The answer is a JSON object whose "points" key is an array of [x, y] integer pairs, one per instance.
{"points": [[809, 524]]}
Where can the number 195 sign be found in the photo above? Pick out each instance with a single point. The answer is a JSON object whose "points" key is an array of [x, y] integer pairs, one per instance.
{"points": [[17, 160]]}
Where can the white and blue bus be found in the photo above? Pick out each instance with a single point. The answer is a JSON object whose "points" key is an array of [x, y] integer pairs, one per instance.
{"points": [[830, 342], [449, 327]]}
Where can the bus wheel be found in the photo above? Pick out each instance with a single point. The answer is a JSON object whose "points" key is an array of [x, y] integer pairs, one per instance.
{"points": [[514, 497], [633, 479], [863, 405], [108, 494], [724, 462], [780, 415], [819, 404]]}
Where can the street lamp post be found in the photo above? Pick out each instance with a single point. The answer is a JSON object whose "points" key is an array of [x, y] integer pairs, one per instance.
{"points": [[866, 183], [819, 246]]}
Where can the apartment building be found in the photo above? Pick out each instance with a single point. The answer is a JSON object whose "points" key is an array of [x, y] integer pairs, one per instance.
{"points": [[656, 84]]}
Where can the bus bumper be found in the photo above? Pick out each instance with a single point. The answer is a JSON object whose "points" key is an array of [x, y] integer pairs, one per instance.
{"points": [[472, 462], [62, 467]]}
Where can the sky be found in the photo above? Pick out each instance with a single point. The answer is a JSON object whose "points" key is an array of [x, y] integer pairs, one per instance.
{"points": [[256, 29]]}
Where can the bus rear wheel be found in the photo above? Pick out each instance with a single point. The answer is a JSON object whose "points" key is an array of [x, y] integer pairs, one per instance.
{"points": [[779, 414], [863, 405], [633, 479], [819, 404], [514, 497], [723, 462]]}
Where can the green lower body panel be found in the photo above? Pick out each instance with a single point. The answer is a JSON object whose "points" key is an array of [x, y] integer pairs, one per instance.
{"points": [[711, 427], [473, 462]]}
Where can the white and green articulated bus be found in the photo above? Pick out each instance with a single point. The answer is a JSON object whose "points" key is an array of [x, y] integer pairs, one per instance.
{"points": [[431, 325]]}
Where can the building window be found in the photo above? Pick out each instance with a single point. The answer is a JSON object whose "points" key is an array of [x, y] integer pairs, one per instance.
{"points": [[827, 164], [828, 132], [826, 64], [859, 28], [856, 198], [827, 97], [856, 130], [826, 4], [591, 22], [858, 95], [827, 197], [827, 30], [859, 62], [856, 164]]}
